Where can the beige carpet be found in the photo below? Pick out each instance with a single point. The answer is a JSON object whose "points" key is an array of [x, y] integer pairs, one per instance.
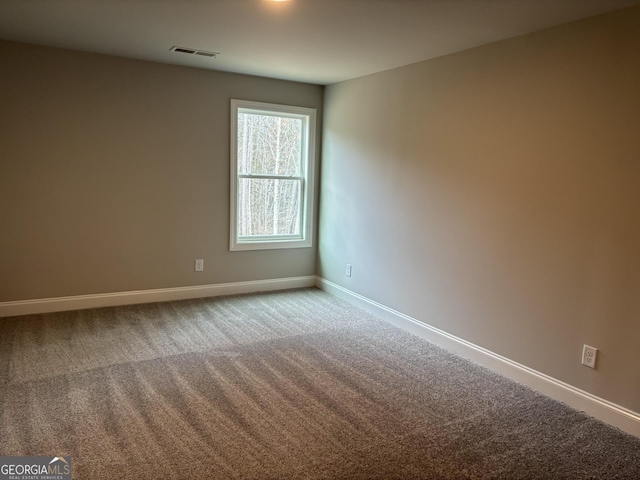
{"points": [[288, 385]]}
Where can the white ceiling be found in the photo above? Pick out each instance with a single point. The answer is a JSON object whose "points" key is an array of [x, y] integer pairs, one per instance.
{"points": [[316, 41]]}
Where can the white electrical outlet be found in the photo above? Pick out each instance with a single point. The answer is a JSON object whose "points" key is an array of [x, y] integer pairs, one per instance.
{"points": [[589, 356], [348, 272], [199, 265]]}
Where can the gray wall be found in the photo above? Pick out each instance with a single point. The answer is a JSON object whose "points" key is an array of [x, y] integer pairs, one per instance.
{"points": [[495, 194], [114, 174]]}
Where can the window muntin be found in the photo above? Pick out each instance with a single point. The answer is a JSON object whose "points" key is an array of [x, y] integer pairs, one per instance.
{"points": [[272, 165]]}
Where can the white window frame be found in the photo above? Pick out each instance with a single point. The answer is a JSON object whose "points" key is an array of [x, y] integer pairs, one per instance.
{"points": [[304, 239]]}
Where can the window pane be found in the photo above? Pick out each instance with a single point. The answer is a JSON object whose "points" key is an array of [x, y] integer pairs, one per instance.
{"points": [[268, 207], [269, 144]]}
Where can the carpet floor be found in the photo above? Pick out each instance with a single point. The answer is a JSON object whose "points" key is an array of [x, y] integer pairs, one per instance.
{"points": [[285, 385]]}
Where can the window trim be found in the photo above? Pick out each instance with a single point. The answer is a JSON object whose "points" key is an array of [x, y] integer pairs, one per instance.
{"points": [[307, 184]]}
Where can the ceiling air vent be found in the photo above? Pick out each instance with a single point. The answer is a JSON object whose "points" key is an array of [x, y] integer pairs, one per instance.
{"points": [[193, 51]]}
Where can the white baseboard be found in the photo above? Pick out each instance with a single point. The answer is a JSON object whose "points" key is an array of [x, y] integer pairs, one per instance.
{"points": [[47, 305], [602, 409]]}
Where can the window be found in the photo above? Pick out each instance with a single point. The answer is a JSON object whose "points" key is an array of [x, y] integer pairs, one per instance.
{"points": [[272, 166]]}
